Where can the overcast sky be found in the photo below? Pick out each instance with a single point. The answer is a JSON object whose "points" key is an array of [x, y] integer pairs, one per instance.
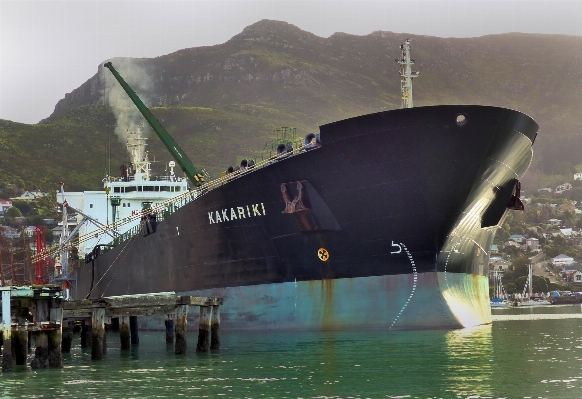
{"points": [[49, 48]]}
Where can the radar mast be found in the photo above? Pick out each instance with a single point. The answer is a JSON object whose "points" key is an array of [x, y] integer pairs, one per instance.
{"points": [[406, 74]]}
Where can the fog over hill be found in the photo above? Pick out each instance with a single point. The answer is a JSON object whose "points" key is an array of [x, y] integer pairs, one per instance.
{"points": [[222, 102]]}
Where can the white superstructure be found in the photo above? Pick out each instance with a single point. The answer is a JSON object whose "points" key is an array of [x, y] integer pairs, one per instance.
{"points": [[134, 187]]}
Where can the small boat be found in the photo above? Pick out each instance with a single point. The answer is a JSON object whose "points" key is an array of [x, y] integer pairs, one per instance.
{"points": [[499, 303]]}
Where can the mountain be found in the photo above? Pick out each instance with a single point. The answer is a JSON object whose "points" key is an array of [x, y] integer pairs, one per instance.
{"points": [[221, 103]]}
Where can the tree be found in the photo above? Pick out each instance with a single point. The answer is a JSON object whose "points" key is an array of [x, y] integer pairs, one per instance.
{"points": [[540, 284], [24, 206], [520, 267], [12, 212], [510, 288]]}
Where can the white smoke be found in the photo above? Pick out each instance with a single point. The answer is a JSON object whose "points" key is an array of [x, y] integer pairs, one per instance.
{"points": [[127, 115]]}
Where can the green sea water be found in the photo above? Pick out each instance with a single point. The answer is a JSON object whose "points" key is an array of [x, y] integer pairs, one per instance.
{"points": [[525, 353]]}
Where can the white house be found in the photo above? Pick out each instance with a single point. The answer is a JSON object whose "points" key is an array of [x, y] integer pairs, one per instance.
{"points": [[30, 196], [563, 187], [554, 222], [578, 176], [562, 259], [4, 205], [566, 232]]}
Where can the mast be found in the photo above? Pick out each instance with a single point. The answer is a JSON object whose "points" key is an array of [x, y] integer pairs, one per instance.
{"points": [[530, 280], [406, 74]]}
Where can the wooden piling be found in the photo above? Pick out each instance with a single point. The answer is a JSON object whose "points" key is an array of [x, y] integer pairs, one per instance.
{"points": [[86, 333], [67, 339], [134, 330], [41, 353], [55, 338], [169, 323], [7, 359], [124, 333], [20, 347], [204, 328], [215, 328], [98, 333], [181, 324]]}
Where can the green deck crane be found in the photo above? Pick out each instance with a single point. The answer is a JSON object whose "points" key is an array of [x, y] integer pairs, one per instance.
{"points": [[180, 157]]}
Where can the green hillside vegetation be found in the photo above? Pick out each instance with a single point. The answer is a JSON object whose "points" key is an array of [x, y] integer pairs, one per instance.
{"points": [[221, 103]]}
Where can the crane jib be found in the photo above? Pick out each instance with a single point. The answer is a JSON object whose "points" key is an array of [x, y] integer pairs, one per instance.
{"points": [[177, 153]]}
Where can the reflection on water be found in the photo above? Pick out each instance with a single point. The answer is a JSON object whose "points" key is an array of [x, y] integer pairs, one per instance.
{"points": [[517, 358], [470, 354]]}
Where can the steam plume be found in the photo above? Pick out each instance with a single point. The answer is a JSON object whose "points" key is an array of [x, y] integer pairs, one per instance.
{"points": [[126, 113]]}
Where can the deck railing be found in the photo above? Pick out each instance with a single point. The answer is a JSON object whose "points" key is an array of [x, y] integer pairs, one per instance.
{"points": [[166, 208]]}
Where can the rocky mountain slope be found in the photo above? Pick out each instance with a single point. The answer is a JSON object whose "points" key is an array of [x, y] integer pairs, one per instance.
{"points": [[222, 102]]}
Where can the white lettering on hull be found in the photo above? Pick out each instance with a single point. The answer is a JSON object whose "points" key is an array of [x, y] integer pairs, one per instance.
{"points": [[229, 214]]}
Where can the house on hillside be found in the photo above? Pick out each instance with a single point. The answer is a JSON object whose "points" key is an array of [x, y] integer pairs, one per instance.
{"points": [[573, 276], [498, 264], [563, 187], [566, 232], [30, 196], [533, 244], [562, 260], [578, 176], [11, 232], [545, 190], [516, 237], [4, 205], [554, 222]]}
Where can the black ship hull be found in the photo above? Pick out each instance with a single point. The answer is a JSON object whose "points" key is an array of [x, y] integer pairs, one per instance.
{"points": [[387, 224]]}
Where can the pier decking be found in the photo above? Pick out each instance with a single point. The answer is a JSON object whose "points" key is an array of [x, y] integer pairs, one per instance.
{"points": [[39, 313]]}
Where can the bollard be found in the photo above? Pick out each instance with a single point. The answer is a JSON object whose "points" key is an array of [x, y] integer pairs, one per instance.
{"points": [[41, 353], [181, 327], [98, 333], [169, 322], [7, 359], [134, 330], [124, 333], [215, 328], [204, 328]]}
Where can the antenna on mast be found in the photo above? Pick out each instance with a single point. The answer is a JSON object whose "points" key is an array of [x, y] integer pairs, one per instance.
{"points": [[406, 74]]}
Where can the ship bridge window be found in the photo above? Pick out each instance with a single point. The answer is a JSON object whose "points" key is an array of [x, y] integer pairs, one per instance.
{"points": [[129, 204], [157, 188], [165, 188], [177, 188], [130, 189], [139, 188], [116, 189], [124, 204], [90, 205], [148, 188]]}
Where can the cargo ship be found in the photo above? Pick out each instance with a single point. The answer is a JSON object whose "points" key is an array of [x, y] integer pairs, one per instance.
{"points": [[382, 221]]}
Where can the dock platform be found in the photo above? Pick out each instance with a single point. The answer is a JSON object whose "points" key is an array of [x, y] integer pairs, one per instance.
{"points": [[39, 314]]}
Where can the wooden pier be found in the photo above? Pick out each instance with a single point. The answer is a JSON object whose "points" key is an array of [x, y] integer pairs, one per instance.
{"points": [[41, 311]]}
